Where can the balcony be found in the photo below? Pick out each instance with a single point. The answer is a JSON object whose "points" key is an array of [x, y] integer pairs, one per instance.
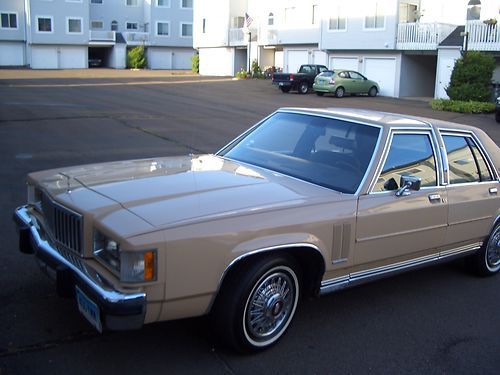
{"points": [[422, 36], [483, 36], [99, 37], [289, 35], [136, 38]]}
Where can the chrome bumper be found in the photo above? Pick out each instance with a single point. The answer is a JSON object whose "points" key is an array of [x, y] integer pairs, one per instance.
{"points": [[119, 310]]}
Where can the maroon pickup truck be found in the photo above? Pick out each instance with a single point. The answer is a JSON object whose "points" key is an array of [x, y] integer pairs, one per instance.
{"points": [[301, 81]]}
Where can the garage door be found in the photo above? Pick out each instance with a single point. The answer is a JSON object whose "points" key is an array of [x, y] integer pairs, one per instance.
{"points": [[382, 71], [295, 59], [182, 59], [72, 58], [12, 54], [347, 63], [44, 58], [160, 58]]}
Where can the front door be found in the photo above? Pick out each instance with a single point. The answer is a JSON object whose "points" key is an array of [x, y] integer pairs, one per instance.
{"points": [[391, 227]]}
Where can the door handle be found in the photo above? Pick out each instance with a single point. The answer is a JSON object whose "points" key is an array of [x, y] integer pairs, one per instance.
{"points": [[493, 190], [434, 198]]}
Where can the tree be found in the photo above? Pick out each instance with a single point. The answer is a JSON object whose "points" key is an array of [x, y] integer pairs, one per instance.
{"points": [[471, 78], [136, 58]]}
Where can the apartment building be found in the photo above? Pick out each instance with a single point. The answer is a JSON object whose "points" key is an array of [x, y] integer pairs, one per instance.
{"points": [[12, 33], [398, 43], [65, 34]]}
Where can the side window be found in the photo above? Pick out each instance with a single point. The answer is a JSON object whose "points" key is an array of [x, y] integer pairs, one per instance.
{"points": [[466, 164], [409, 155], [344, 75], [355, 75]]}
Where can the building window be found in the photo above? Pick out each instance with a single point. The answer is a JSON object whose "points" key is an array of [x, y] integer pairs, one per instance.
{"points": [[337, 20], [96, 1], [187, 30], [203, 28], [187, 4], [132, 26], [9, 20], [374, 18], [74, 25], [270, 19], [44, 24], [163, 28], [315, 14], [114, 25], [96, 25], [132, 3], [163, 3]]}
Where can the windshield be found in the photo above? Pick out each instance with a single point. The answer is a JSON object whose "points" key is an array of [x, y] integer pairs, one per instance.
{"points": [[325, 151]]}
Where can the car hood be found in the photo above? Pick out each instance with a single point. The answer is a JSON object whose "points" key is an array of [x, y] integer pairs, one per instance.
{"points": [[170, 191]]}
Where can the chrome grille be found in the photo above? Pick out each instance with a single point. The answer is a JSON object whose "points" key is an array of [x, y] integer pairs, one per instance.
{"points": [[65, 225]]}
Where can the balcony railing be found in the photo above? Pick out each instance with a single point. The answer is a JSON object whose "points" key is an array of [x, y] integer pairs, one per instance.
{"points": [[237, 37], [483, 36], [136, 37], [102, 36], [422, 36]]}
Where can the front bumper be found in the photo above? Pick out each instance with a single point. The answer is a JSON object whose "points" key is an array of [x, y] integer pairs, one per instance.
{"points": [[118, 310]]}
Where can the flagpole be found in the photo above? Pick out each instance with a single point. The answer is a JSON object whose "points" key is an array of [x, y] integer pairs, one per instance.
{"points": [[249, 46]]}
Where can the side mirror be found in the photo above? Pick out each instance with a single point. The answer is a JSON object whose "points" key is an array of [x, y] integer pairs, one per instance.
{"points": [[408, 183]]}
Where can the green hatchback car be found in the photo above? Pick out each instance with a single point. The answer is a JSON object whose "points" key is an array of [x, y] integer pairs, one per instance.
{"points": [[341, 82]]}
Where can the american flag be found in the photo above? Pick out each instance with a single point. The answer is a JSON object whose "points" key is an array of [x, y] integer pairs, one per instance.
{"points": [[248, 20]]}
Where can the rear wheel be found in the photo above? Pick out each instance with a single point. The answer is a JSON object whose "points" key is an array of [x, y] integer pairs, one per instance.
{"points": [[340, 92], [257, 305], [373, 91], [497, 115], [284, 89], [303, 88], [486, 262]]}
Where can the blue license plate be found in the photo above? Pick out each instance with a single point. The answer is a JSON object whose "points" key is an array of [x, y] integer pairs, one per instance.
{"points": [[89, 309]]}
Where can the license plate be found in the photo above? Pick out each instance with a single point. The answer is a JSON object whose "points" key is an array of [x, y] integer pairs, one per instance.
{"points": [[88, 308]]}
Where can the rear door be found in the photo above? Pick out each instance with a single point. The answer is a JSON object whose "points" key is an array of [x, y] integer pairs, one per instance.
{"points": [[472, 189], [391, 227]]}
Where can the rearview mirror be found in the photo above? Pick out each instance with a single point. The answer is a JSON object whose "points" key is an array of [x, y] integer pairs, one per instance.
{"points": [[408, 183]]}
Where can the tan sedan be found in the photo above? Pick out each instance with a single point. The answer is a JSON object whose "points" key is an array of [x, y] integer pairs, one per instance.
{"points": [[304, 203]]}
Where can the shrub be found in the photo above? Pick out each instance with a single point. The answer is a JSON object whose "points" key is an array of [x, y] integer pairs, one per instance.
{"points": [[471, 78], [136, 58], [242, 74], [195, 63], [462, 106]]}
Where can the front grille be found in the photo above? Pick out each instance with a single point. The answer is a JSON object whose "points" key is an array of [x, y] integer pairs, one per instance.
{"points": [[65, 225]]}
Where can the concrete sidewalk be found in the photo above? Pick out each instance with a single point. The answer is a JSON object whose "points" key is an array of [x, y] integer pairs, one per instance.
{"points": [[92, 73]]}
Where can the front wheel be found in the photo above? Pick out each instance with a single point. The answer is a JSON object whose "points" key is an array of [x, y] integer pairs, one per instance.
{"points": [[255, 309], [303, 88], [497, 116], [486, 261]]}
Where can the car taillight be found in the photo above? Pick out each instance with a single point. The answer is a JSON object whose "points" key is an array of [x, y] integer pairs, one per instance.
{"points": [[291, 77]]}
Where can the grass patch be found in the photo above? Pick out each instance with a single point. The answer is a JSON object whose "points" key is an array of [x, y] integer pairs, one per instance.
{"points": [[462, 106]]}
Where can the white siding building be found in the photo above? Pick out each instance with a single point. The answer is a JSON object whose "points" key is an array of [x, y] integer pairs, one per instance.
{"points": [[394, 42], [61, 34]]}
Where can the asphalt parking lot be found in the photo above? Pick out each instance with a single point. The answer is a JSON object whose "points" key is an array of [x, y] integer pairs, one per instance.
{"points": [[434, 321]]}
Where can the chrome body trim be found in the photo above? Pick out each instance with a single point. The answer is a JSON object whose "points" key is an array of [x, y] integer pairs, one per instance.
{"points": [[356, 278], [83, 273]]}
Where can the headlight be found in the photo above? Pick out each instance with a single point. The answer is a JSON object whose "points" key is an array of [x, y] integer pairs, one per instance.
{"points": [[107, 250], [34, 195], [131, 266]]}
